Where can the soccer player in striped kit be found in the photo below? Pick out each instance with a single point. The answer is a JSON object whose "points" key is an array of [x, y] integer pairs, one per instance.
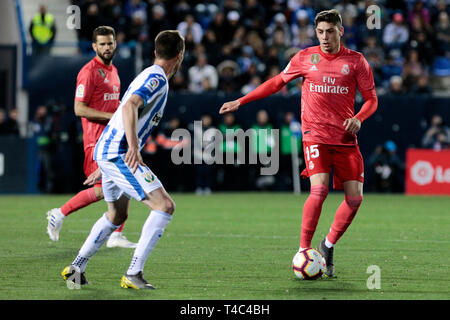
{"points": [[96, 99], [123, 172], [331, 73]]}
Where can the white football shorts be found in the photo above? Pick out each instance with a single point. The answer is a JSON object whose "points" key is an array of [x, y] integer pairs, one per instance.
{"points": [[118, 179]]}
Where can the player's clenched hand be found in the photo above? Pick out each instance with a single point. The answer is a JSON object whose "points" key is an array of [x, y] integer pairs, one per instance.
{"points": [[352, 125], [133, 159], [229, 106], [93, 178]]}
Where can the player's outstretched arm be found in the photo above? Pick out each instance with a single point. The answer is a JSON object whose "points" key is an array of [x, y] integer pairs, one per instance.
{"points": [[264, 90]]}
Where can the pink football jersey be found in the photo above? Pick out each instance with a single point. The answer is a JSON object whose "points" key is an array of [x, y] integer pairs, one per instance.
{"points": [[328, 91], [98, 85]]}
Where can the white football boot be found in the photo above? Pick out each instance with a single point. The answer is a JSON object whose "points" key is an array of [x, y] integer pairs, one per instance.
{"points": [[117, 239], [55, 220]]}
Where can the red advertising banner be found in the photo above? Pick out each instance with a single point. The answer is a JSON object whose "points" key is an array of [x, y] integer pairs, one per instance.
{"points": [[427, 172]]}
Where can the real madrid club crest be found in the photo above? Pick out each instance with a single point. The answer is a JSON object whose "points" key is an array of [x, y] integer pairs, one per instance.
{"points": [[149, 176], [345, 69], [315, 57]]}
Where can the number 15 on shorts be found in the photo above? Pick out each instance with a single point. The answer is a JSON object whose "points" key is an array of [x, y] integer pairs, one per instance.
{"points": [[312, 151]]}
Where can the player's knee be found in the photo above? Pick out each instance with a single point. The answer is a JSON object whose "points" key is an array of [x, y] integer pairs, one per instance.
{"points": [[169, 206], [99, 193], [354, 201], [319, 191]]}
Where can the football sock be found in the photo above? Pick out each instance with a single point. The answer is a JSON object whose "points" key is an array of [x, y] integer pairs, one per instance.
{"points": [[328, 244], [311, 213], [151, 232], [80, 200], [100, 232], [344, 217]]}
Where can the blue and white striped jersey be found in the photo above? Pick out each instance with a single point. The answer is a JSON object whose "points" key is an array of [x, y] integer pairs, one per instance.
{"points": [[152, 86]]}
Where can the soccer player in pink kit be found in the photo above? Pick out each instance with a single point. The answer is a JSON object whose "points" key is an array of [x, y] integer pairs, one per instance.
{"points": [[96, 100], [331, 73]]}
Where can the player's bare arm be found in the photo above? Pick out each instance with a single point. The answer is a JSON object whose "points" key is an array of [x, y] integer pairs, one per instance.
{"points": [[82, 109], [133, 157]]}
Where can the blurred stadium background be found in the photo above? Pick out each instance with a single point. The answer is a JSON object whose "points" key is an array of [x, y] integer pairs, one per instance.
{"points": [[231, 47]]}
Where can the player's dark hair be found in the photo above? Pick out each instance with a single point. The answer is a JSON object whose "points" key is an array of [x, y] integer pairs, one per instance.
{"points": [[103, 31], [331, 16], [168, 44]]}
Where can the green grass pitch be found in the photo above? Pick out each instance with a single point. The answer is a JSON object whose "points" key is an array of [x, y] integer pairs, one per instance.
{"points": [[234, 246]]}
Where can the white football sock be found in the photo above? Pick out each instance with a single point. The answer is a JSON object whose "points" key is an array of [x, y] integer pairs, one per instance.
{"points": [[100, 232], [328, 244], [151, 232]]}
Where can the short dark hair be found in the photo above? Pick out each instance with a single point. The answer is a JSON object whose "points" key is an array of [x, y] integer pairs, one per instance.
{"points": [[103, 31], [331, 16], [168, 44]]}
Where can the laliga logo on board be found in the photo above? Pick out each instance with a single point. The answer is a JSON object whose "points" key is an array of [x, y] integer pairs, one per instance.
{"points": [[422, 173]]}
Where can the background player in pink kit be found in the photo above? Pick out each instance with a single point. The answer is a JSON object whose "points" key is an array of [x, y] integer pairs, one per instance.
{"points": [[96, 99], [331, 73]]}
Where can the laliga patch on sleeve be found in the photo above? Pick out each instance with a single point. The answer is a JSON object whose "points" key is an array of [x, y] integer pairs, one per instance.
{"points": [[152, 84], [80, 91]]}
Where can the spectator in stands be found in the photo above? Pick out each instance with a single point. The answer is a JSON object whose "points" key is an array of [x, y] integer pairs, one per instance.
{"points": [[396, 34], [351, 33], [2, 121], [418, 10], [218, 26], [135, 7], [255, 81], [442, 31], [231, 175], [41, 129], [231, 24], [412, 69], [11, 125], [252, 9], [437, 137], [422, 87], [288, 141], [202, 76], [90, 19], [157, 22], [204, 170], [375, 57], [228, 71], [302, 30], [42, 31], [421, 39], [279, 22], [388, 168], [396, 86], [212, 47], [261, 143], [190, 25]]}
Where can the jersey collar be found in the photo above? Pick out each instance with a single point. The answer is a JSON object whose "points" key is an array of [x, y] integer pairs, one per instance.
{"points": [[330, 56], [109, 68]]}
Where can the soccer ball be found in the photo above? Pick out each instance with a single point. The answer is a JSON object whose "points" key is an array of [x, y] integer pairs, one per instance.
{"points": [[308, 264]]}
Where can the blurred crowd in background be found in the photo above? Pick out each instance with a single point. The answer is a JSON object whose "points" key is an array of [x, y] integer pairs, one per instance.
{"points": [[236, 45], [232, 47]]}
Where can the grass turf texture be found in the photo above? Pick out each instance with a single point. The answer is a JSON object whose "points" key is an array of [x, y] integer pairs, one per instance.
{"points": [[233, 246]]}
